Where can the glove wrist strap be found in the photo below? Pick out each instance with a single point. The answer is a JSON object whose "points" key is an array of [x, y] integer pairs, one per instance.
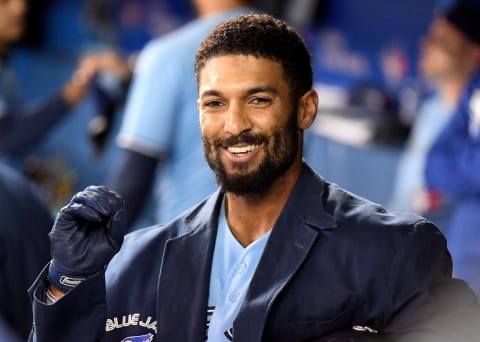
{"points": [[62, 280]]}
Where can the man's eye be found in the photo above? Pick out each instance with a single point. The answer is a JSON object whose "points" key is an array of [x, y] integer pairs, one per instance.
{"points": [[260, 101], [212, 104]]}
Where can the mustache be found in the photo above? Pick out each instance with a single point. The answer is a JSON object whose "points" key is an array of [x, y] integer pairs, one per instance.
{"points": [[244, 138]]}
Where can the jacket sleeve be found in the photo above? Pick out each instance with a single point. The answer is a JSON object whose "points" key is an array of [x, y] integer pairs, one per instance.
{"points": [[454, 160], [20, 131], [79, 316], [424, 303]]}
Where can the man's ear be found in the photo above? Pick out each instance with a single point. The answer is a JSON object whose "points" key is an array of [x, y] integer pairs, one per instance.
{"points": [[307, 109]]}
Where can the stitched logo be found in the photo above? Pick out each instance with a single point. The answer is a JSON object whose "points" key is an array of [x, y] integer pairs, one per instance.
{"points": [[69, 281]]}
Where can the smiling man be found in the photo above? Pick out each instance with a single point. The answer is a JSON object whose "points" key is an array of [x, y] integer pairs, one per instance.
{"points": [[276, 254], [251, 136]]}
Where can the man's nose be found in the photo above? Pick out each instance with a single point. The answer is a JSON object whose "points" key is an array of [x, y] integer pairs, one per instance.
{"points": [[237, 120]]}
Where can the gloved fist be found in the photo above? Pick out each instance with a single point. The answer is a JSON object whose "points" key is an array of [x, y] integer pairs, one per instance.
{"points": [[85, 236]]}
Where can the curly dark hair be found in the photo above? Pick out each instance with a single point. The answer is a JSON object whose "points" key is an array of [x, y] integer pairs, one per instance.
{"points": [[263, 36]]}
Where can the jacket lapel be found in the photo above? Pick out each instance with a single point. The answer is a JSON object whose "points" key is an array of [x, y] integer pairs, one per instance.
{"points": [[292, 237], [184, 277]]}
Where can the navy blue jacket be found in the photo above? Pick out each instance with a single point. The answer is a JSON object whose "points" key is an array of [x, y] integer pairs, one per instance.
{"points": [[333, 260]]}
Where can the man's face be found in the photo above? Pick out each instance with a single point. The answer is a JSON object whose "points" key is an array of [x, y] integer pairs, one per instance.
{"points": [[443, 51], [12, 20], [248, 122]]}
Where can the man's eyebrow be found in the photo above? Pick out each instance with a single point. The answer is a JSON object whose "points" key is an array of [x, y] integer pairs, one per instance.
{"points": [[210, 93], [251, 91], [266, 89]]}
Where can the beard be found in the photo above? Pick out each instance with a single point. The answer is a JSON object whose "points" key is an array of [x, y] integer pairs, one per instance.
{"points": [[280, 149]]}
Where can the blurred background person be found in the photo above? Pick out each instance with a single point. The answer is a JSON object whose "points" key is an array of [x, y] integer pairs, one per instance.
{"points": [[24, 251], [20, 128], [453, 162], [23, 126], [160, 146], [448, 59]]}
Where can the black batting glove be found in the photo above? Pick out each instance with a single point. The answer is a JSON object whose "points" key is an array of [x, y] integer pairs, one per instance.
{"points": [[85, 236]]}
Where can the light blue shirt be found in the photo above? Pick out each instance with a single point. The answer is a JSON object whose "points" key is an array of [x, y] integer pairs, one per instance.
{"points": [[161, 117], [233, 267]]}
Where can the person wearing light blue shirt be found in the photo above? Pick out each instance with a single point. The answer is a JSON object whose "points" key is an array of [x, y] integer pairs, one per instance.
{"points": [[276, 254], [160, 139]]}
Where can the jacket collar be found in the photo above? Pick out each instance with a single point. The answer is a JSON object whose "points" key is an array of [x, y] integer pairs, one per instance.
{"points": [[185, 272], [307, 201]]}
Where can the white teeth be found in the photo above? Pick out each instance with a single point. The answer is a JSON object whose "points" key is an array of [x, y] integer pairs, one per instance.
{"points": [[242, 149]]}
